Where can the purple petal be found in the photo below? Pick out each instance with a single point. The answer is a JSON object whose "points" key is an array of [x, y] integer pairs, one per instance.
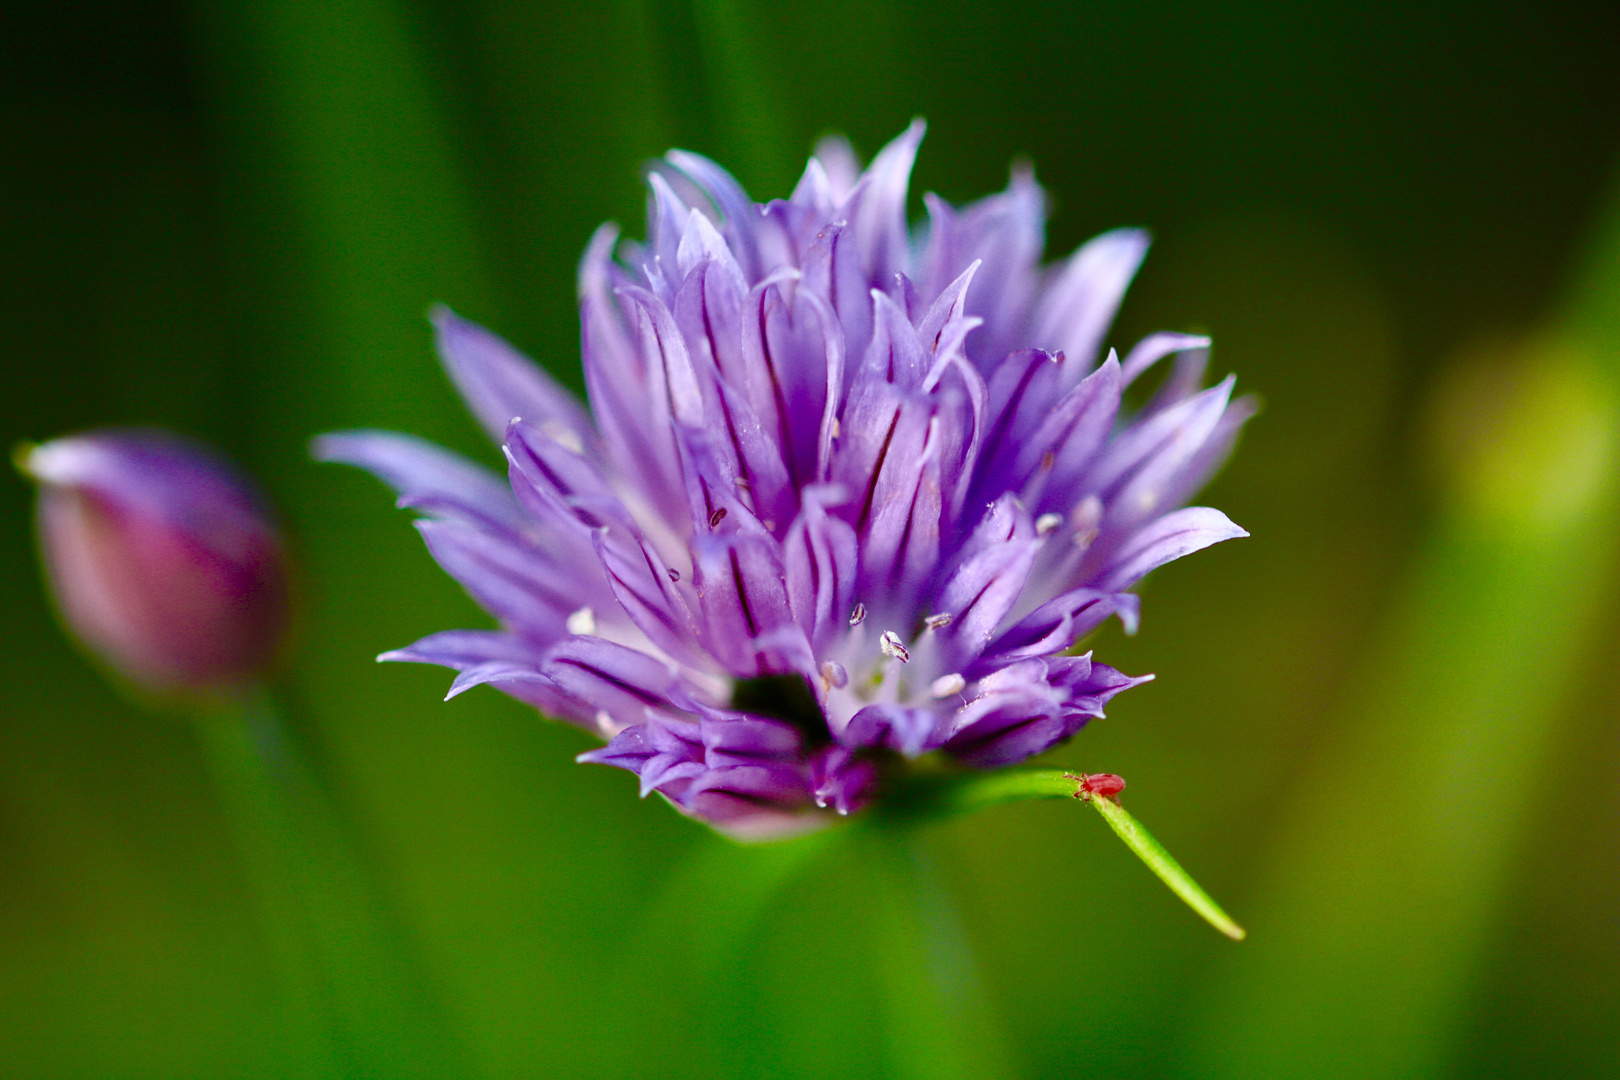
{"points": [[979, 595], [509, 580], [1089, 685], [1059, 623], [1077, 307], [1023, 388], [949, 307], [1053, 466], [462, 649], [738, 212], [1142, 481], [781, 784], [602, 676], [841, 780], [899, 517], [499, 383], [627, 394], [1165, 540], [748, 619], [1006, 232], [427, 477], [1155, 347], [736, 739], [647, 594], [1174, 433], [895, 354], [832, 271], [876, 209], [821, 560], [911, 731], [793, 360]]}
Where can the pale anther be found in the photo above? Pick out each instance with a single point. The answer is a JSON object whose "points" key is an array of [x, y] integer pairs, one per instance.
{"points": [[892, 646]]}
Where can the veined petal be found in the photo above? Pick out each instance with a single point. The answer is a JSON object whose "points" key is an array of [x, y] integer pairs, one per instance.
{"points": [[646, 591], [1053, 466], [499, 383], [737, 211], [1059, 623], [979, 595], [895, 355], [876, 209], [523, 683], [1137, 486], [738, 739], [910, 731], [462, 649], [507, 579], [821, 555], [748, 622], [1155, 347], [427, 477], [1077, 307], [1165, 540], [626, 684], [1005, 232]]}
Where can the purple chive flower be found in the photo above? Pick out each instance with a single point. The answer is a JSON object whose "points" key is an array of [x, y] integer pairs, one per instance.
{"points": [[160, 557], [847, 494]]}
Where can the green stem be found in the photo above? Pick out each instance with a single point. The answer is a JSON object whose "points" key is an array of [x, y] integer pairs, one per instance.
{"points": [[938, 1022], [966, 792], [347, 979], [256, 817]]}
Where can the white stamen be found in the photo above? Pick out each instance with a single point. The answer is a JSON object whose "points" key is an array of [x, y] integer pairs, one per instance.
{"points": [[1047, 523], [892, 646], [934, 622], [946, 685], [1087, 513], [833, 675], [857, 616], [582, 622], [1086, 516]]}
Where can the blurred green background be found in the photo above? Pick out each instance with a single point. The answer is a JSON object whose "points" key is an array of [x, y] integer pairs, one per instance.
{"points": [[1386, 730]]}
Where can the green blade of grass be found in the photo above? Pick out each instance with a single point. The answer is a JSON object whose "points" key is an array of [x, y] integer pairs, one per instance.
{"points": [[968, 792]]}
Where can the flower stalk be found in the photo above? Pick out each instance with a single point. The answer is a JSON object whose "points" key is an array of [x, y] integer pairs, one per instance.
{"points": [[354, 1002]]}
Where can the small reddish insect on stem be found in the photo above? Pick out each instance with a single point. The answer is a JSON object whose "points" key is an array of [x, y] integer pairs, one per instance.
{"points": [[1103, 785]]}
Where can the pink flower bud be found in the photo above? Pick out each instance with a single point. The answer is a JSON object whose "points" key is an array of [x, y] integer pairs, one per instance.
{"points": [[161, 558]]}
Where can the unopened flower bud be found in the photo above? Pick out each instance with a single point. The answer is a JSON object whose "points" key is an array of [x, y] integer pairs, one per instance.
{"points": [[161, 558]]}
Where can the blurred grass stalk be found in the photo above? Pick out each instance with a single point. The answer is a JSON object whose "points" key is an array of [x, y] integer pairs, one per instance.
{"points": [[936, 1019], [328, 101], [1387, 879], [353, 1004]]}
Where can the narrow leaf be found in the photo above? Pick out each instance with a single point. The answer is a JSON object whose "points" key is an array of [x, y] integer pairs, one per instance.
{"points": [[1150, 851]]}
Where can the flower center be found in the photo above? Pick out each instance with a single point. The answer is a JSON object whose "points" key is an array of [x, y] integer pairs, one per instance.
{"points": [[783, 697]]}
